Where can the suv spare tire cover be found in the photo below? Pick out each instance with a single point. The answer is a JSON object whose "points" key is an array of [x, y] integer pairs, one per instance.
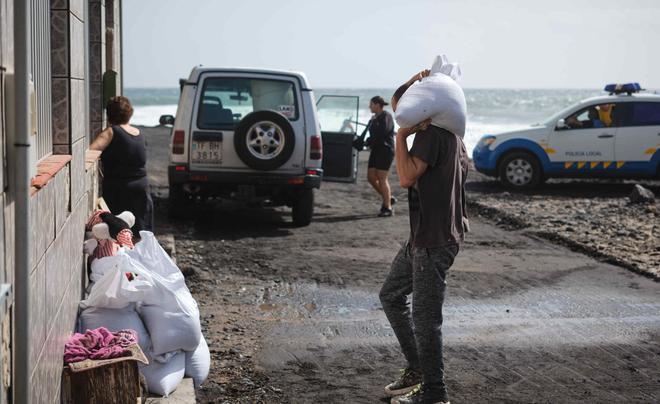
{"points": [[264, 140]]}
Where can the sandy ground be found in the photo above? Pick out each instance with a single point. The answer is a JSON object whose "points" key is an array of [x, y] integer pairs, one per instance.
{"points": [[292, 314], [595, 217]]}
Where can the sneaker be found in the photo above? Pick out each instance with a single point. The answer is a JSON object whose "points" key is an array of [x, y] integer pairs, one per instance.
{"points": [[420, 396], [385, 212], [393, 200], [408, 380]]}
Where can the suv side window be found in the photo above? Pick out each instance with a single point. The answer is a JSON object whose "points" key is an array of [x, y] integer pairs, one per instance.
{"points": [[642, 114], [226, 100]]}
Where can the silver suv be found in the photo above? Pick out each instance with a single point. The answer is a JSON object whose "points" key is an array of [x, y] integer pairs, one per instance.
{"points": [[254, 136]]}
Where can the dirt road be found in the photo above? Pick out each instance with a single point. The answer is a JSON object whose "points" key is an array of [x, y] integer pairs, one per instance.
{"points": [[292, 314]]}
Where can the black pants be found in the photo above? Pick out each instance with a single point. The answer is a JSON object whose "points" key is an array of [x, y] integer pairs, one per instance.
{"points": [[133, 195], [422, 273]]}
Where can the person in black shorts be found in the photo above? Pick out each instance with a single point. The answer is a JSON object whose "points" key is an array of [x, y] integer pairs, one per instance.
{"points": [[124, 159], [381, 143]]}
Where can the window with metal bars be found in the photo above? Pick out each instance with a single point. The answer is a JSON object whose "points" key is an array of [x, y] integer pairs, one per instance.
{"points": [[41, 77], [3, 131]]}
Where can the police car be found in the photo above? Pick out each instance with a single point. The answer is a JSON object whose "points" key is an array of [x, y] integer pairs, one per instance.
{"points": [[615, 135]]}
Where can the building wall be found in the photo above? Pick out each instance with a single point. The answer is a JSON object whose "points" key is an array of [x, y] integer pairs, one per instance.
{"points": [[97, 64], [73, 50], [6, 204], [113, 39]]}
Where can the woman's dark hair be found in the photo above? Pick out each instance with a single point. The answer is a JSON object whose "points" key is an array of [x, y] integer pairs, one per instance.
{"points": [[379, 100], [119, 110]]}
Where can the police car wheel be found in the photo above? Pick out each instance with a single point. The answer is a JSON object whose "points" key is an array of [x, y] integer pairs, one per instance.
{"points": [[520, 170]]}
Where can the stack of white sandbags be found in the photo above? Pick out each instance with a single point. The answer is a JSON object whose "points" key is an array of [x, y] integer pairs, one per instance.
{"points": [[438, 97], [142, 289]]}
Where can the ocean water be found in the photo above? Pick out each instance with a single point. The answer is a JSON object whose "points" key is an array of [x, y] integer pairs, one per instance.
{"points": [[490, 111]]}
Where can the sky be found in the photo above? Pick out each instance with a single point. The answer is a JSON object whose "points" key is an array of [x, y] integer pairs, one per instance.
{"points": [[380, 44]]}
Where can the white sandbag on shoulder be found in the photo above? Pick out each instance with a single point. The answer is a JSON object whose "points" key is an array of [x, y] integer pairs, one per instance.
{"points": [[115, 320], [438, 97], [198, 363], [170, 331], [164, 378]]}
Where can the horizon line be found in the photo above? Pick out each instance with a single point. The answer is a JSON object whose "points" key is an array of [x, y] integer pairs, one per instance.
{"points": [[384, 87]]}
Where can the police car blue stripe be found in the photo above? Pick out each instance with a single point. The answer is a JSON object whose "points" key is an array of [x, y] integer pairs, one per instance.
{"points": [[485, 160]]}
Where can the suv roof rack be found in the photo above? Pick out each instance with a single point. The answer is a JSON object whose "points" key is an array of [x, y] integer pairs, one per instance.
{"points": [[627, 88]]}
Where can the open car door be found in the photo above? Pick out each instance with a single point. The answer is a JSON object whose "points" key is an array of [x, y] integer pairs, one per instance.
{"points": [[338, 119]]}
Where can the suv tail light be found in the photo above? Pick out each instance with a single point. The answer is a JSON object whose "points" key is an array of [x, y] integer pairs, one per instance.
{"points": [[177, 142], [316, 149]]}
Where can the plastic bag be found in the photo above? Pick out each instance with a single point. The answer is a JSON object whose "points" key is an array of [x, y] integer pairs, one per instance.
{"points": [[101, 266], [438, 97], [115, 320], [165, 274], [198, 363], [115, 288], [164, 378]]}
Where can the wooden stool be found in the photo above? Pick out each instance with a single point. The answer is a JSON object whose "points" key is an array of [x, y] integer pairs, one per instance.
{"points": [[110, 381]]}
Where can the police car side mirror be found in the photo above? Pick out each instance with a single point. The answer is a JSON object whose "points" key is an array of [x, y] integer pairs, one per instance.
{"points": [[561, 124]]}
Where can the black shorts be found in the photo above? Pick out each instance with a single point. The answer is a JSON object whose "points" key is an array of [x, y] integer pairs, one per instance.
{"points": [[381, 158], [133, 195]]}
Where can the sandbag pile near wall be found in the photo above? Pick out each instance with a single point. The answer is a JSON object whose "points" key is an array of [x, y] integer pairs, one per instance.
{"points": [[142, 289]]}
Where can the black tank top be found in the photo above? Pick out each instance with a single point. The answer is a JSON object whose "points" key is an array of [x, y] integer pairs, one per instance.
{"points": [[125, 156]]}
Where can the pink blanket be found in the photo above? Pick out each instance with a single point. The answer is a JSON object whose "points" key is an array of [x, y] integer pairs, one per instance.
{"points": [[99, 344]]}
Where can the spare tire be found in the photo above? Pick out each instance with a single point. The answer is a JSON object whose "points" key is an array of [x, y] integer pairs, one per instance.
{"points": [[264, 140]]}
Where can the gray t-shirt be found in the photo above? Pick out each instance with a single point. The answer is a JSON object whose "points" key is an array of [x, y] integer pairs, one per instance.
{"points": [[438, 214]]}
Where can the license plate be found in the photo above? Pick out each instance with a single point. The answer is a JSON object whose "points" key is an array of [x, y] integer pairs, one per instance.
{"points": [[207, 152]]}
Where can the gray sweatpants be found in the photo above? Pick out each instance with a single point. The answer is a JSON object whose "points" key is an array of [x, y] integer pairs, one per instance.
{"points": [[422, 272]]}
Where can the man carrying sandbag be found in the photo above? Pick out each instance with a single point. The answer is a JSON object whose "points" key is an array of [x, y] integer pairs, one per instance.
{"points": [[434, 171]]}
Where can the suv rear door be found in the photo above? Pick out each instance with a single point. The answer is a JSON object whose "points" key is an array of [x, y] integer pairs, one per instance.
{"points": [[337, 116], [223, 99]]}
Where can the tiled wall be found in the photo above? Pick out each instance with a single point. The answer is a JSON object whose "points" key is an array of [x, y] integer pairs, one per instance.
{"points": [[97, 64], [68, 73], [56, 286], [113, 39], [61, 208], [104, 55]]}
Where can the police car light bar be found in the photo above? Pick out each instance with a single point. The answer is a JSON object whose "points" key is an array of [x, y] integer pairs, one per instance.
{"points": [[627, 88]]}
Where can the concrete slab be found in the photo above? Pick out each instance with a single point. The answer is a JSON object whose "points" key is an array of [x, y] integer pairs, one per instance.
{"points": [[184, 394]]}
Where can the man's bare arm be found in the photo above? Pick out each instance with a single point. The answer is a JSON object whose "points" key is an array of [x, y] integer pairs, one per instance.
{"points": [[409, 167], [404, 87]]}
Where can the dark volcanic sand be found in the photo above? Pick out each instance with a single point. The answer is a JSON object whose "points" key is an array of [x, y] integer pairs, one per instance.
{"points": [[292, 314]]}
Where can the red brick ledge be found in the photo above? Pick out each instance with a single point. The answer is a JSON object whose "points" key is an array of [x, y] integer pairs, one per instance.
{"points": [[46, 170]]}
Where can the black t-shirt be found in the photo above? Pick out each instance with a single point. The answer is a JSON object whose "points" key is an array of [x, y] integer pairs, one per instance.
{"points": [[125, 156], [381, 131], [438, 214]]}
